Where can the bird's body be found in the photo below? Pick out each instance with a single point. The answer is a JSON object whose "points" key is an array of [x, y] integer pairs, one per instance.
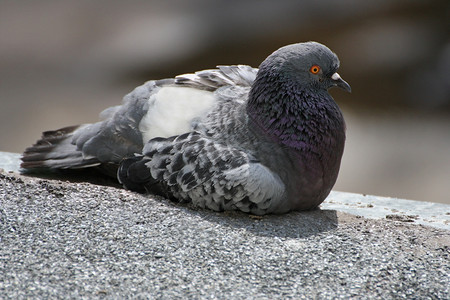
{"points": [[233, 138]]}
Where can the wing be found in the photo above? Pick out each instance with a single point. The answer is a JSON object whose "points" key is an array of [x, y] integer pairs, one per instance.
{"points": [[193, 168], [160, 108], [238, 75]]}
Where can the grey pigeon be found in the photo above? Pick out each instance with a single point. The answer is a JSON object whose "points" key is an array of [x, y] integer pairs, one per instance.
{"points": [[267, 140]]}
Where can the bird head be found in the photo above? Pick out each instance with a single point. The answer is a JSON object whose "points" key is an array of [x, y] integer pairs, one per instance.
{"points": [[311, 65]]}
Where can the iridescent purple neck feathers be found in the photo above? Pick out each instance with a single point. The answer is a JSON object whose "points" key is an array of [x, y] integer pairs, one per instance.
{"points": [[293, 115]]}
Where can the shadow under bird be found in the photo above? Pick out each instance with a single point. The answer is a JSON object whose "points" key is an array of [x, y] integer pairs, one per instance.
{"points": [[267, 140]]}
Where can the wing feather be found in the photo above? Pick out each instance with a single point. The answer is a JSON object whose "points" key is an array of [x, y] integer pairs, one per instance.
{"points": [[207, 173]]}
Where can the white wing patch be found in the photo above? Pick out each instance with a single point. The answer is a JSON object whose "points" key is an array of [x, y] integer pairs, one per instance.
{"points": [[172, 110]]}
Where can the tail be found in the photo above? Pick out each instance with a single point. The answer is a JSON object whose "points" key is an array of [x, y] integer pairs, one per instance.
{"points": [[55, 150]]}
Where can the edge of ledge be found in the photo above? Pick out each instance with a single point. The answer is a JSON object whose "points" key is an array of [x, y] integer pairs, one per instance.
{"points": [[402, 210], [367, 206]]}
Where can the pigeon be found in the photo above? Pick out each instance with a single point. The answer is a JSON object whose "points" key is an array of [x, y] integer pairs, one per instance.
{"points": [[261, 141]]}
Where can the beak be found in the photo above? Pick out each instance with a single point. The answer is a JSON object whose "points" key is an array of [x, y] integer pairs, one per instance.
{"points": [[339, 82]]}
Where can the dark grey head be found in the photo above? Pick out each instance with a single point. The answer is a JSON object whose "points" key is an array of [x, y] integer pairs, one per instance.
{"points": [[310, 64]]}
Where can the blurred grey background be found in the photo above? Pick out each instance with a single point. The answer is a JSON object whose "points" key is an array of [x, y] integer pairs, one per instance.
{"points": [[62, 62]]}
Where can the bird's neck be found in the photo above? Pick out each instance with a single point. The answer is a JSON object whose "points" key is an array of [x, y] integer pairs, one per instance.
{"points": [[298, 118]]}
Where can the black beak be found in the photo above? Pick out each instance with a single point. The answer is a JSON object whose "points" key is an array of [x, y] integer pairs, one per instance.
{"points": [[339, 82]]}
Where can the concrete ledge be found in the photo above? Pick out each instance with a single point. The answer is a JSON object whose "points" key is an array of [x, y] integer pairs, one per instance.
{"points": [[10, 162], [374, 207], [63, 239]]}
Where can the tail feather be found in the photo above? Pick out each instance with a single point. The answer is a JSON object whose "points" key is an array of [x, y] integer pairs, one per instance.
{"points": [[55, 151], [134, 175]]}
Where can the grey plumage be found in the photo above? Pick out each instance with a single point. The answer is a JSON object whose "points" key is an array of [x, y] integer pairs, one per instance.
{"points": [[231, 138]]}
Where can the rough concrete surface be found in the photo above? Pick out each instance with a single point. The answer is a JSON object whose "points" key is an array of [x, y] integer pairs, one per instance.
{"points": [[62, 239]]}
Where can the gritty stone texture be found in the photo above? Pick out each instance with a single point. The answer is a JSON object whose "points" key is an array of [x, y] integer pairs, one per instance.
{"points": [[71, 240]]}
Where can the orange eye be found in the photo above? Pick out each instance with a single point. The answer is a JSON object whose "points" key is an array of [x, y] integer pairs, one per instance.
{"points": [[314, 69]]}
